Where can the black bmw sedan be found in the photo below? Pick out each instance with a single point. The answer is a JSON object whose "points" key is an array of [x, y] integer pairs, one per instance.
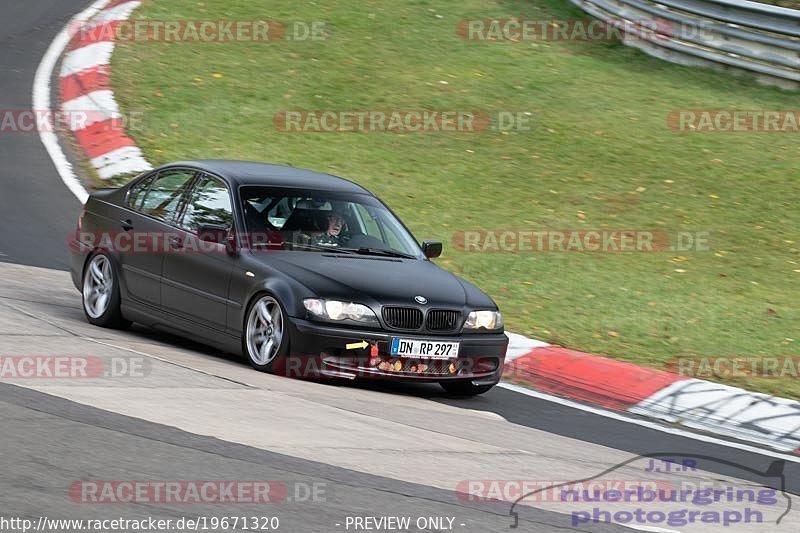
{"points": [[306, 274]]}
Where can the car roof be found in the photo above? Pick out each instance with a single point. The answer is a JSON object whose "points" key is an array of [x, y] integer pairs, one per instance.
{"points": [[253, 173]]}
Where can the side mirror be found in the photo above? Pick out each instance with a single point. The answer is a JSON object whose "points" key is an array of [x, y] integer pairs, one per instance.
{"points": [[432, 249], [218, 234]]}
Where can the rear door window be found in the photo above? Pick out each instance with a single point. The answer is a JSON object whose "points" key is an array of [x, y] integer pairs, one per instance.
{"points": [[165, 196], [209, 205], [137, 193]]}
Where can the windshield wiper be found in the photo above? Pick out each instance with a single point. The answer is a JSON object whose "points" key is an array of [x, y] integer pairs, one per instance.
{"points": [[296, 245], [379, 251], [360, 251], [320, 248]]}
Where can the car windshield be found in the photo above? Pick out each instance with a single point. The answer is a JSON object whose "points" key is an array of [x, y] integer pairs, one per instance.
{"points": [[293, 219]]}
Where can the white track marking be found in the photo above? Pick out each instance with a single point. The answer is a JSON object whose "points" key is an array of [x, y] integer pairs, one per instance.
{"points": [[118, 12], [86, 57], [123, 160], [519, 345], [41, 100], [725, 410], [97, 106], [647, 424]]}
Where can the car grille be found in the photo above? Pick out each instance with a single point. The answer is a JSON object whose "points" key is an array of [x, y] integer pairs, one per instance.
{"points": [[402, 317], [438, 368], [442, 320]]}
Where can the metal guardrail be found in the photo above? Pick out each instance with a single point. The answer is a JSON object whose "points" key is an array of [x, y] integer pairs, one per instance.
{"points": [[736, 35]]}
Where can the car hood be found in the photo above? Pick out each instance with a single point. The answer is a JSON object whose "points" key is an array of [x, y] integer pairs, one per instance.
{"points": [[377, 280]]}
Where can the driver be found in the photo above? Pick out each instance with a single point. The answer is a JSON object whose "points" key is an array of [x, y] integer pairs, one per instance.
{"points": [[334, 232]]}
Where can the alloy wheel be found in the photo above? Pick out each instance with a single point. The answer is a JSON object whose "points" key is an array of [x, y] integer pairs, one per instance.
{"points": [[264, 330]]}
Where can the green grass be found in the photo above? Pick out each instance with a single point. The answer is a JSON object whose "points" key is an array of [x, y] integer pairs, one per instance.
{"points": [[599, 156], [792, 4]]}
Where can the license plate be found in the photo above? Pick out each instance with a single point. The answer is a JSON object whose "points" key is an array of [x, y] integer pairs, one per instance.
{"points": [[425, 349]]}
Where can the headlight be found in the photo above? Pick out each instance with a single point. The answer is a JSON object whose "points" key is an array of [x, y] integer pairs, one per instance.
{"points": [[337, 310], [490, 320]]}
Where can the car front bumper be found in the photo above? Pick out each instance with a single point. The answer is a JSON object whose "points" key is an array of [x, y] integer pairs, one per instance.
{"points": [[321, 350]]}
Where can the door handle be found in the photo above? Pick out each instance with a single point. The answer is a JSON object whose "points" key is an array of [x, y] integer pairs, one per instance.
{"points": [[127, 225]]}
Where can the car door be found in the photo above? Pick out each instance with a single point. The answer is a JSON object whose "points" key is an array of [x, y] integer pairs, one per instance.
{"points": [[153, 205], [196, 275]]}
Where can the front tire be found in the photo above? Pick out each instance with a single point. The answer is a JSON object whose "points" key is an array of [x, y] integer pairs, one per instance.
{"points": [[265, 340], [464, 388], [101, 296]]}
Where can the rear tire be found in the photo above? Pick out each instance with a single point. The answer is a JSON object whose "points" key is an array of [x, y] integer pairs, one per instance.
{"points": [[101, 296], [464, 388], [265, 340]]}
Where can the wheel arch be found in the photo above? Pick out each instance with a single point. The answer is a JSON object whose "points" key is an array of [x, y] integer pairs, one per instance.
{"points": [[280, 290], [93, 252]]}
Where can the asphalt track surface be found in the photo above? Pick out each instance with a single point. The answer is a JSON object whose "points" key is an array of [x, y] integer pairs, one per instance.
{"points": [[41, 433], [394, 450], [36, 211]]}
